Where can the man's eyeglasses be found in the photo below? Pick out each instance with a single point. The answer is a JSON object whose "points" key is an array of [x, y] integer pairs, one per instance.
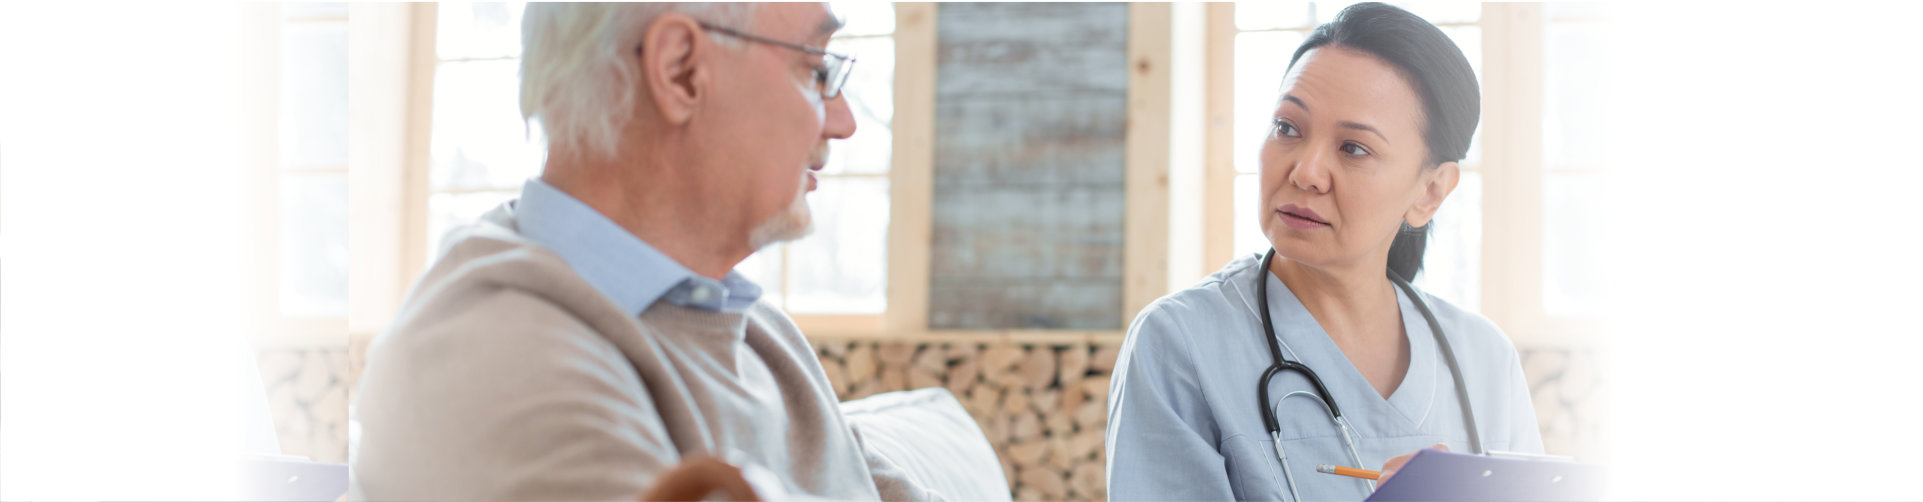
{"points": [[829, 77]]}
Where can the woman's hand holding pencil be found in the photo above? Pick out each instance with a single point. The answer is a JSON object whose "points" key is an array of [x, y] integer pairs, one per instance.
{"points": [[1388, 468]]}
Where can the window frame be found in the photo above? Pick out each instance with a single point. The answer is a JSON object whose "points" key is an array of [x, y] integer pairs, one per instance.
{"points": [[866, 325], [1146, 246], [1511, 169], [270, 328], [404, 182]]}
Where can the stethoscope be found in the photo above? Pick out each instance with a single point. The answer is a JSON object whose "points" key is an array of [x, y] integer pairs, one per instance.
{"points": [[1321, 394]]}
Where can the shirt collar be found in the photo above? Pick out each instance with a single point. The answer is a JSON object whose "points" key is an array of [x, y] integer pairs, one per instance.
{"points": [[622, 267]]}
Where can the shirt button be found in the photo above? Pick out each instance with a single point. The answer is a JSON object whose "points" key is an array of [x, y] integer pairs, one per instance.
{"points": [[701, 294]]}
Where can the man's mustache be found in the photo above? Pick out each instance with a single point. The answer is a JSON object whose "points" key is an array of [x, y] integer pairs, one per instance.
{"points": [[819, 157]]}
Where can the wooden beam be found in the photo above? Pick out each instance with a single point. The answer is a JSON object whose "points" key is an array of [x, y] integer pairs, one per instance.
{"points": [[377, 87], [1045, 337], [911, 177], [1218, 175], [1512, 179], [839, 324], [1145, 258], [421, 62]]}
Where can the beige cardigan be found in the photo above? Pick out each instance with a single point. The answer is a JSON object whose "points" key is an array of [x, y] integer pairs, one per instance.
{"points": [[506, 376]]}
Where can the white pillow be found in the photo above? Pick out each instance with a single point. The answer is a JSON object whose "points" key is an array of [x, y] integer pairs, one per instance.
{"points": [[929, 438]]}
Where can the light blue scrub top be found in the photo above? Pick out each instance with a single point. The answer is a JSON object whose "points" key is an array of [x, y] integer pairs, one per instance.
{"points": [[1184, 423]]}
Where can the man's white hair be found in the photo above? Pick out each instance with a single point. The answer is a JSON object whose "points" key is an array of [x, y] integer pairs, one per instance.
{"points": [[579, 72]]}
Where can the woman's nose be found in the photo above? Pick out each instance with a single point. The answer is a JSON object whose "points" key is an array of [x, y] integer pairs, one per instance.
{"points": [[1310, 173]]}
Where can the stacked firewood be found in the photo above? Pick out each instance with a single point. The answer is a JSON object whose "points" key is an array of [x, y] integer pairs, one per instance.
{"points": [[1044, 407], [307, 397], [1566, 389]]}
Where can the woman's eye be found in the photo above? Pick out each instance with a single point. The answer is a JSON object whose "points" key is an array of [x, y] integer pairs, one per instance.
{"points": [[1354, 149], [1284, 128], [821, 75]]}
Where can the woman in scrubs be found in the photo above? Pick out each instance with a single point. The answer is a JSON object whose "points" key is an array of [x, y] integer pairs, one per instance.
{"points": [[1375, 111]]}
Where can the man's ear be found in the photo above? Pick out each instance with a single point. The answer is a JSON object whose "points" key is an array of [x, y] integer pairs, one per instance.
{"points": [[674, 75], [1436, 186]]}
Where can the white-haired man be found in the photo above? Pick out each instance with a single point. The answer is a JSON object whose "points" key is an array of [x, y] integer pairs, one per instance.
{"points": [[582, 341]]}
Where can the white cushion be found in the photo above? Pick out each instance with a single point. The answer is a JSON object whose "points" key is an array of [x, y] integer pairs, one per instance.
{"points": [[929, 437]]}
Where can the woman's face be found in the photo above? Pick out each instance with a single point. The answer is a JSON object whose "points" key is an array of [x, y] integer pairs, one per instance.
{"points": [[1344, 164]]}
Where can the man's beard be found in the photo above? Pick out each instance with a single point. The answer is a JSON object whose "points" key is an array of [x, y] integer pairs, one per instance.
{"points": [[791, 223]]}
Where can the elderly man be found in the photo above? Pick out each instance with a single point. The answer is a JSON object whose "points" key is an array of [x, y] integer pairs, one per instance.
{"points": [[580, 342]]}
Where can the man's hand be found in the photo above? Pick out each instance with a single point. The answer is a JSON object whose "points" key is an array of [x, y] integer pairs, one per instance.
{"points": [[695, 478], [1395, 464]]}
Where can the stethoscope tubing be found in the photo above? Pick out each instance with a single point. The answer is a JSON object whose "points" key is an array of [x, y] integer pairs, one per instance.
{"points": [[1282, 364]]}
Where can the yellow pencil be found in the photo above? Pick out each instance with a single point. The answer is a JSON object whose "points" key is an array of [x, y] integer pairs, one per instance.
{"points": [[1348, 471]]}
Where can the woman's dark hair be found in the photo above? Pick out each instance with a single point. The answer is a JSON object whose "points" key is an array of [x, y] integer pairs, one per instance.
{"points": [[1441, 77]]}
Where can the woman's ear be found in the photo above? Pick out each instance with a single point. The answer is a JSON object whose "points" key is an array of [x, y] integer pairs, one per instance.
{"points": [[1435, 187], [673, 73]]}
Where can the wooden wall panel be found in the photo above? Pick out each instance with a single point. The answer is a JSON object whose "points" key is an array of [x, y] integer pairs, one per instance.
{"points": [[1029, 200]]}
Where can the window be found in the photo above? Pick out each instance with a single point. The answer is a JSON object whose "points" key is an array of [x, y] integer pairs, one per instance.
{"points": [[1267, 34], [304, 290], [309, 175], [1575, 70], [481, 153], [1533, 163], [841, 268]]}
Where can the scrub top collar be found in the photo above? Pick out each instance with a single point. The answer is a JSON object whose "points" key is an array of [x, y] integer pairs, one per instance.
{"points": [[1414, 398]]}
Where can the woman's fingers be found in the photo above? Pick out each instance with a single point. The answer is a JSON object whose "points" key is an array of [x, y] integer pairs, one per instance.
{"points": [[1395, 464], [695, 478]]}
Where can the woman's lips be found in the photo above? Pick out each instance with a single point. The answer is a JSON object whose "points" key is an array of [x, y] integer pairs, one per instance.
{"points": [[1300, 218]]}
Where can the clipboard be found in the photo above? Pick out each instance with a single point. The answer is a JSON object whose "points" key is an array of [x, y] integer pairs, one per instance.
{"points": [[1435, 475], [285, 479]]}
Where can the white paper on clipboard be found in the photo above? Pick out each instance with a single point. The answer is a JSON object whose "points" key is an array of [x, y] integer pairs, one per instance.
{"points": [[1435, 475]]}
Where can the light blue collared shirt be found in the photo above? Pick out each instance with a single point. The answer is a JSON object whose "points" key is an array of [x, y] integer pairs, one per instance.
{"points": [[621, 266]]}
